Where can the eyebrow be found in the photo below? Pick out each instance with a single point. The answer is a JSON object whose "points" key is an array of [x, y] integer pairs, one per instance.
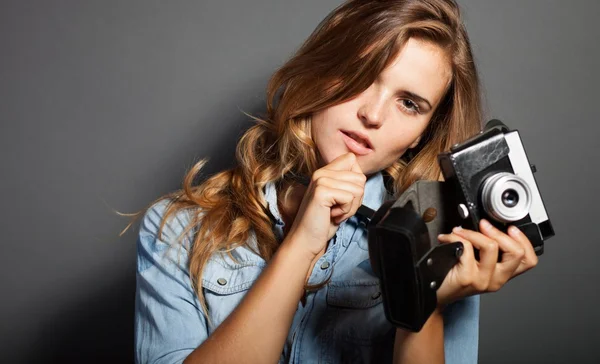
{"points": [[416, 97]]}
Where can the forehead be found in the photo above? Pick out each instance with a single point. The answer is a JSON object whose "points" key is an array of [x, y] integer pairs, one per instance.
{"points": [[421, 67]]}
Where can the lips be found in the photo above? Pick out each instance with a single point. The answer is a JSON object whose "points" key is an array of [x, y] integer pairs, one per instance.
{"points": [[356, 142], [359, 137]]}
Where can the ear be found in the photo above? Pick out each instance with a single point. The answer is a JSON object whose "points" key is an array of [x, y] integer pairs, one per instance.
{"points": [[415, 143]]}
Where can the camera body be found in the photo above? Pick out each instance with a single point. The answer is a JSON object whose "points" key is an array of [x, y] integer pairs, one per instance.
{"points": [[493, 179], [487, 176]]}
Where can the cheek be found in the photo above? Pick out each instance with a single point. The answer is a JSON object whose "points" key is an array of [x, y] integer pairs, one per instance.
{"points": [[398, 141], [322, 136]]}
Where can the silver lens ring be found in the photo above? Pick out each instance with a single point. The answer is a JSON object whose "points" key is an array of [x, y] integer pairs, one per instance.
{"points": [[506, 197]]}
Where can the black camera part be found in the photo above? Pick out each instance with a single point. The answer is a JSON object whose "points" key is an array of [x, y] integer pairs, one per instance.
{"points": [[406, 255], [493, 179]]}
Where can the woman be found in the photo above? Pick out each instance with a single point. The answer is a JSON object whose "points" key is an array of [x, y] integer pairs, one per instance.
{"points": [[254, 267]]}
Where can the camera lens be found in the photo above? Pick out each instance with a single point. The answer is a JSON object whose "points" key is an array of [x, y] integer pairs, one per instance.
{"points": [[510, 198], [506, 197]]}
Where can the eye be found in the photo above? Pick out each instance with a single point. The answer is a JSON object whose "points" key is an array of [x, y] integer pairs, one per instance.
{"points": [[410, 107]]}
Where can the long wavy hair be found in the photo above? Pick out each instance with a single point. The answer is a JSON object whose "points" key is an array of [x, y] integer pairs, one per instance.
{"points": [[338, 61]]}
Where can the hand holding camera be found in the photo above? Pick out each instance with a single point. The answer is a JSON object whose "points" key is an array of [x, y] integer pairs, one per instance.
{"points": [[471, 276]]}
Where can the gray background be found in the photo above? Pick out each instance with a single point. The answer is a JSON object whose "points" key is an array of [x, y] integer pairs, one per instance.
{"points": [[105, 104]]}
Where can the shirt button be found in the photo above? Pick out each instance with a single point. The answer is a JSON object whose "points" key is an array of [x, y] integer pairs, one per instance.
{"points": [[325, 265], [222, 281], [376, 295]]}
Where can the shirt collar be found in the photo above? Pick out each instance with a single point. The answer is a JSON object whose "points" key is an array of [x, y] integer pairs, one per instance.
{"points": [[375, 195]]}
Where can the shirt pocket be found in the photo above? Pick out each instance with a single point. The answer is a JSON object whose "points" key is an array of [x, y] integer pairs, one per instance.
{"points": [[224, 285], [357, 312]]}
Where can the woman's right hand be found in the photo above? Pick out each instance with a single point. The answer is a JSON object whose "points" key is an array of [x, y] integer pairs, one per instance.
{"points": [[334, 194]]}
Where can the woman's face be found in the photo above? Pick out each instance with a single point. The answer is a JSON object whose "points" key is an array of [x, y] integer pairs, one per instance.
{"points": [[388, 118]]}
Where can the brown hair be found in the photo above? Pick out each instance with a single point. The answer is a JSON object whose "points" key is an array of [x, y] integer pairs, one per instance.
{"points": [[339, 60]]}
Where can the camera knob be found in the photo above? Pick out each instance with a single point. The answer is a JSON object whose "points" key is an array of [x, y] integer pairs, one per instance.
{"points": [[463, 211]]}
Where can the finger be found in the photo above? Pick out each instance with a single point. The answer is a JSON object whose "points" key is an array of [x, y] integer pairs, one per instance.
{"points": [[339, 213], [348, 180], [466, 269], [358, 179], [512, 251], [488, 250], [468, 256], [354, 189], [338, 201], [356, 168], [530, 259], [363, 179], [344, 162], [343, 212]]}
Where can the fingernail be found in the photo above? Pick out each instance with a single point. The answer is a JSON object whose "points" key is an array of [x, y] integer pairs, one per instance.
{"points": [[457, 229], [486, 225], [513, 230], [441, 236]]}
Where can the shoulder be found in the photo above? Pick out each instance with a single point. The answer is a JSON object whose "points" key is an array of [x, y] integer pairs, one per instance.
{"points": [[174, 224], [176, 235]]}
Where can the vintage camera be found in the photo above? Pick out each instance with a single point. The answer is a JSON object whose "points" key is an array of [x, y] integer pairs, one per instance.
{"points": [[495, 181], [487, 176]]}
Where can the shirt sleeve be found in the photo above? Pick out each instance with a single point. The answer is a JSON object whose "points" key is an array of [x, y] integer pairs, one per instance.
{"points": [[461, 331], [169, 323]]}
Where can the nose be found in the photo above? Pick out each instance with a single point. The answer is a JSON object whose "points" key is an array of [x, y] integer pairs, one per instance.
{"points": [[372, 109]]}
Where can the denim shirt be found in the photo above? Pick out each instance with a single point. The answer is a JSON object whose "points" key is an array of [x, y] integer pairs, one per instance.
{"points": [[343, 322]]}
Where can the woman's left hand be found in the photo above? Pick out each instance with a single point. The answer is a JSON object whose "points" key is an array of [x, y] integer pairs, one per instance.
{"points": [[469, 276]]}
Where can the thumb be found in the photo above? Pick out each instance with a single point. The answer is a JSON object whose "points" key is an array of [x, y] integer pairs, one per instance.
{"points": [[356, 167], [345, 162]]}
